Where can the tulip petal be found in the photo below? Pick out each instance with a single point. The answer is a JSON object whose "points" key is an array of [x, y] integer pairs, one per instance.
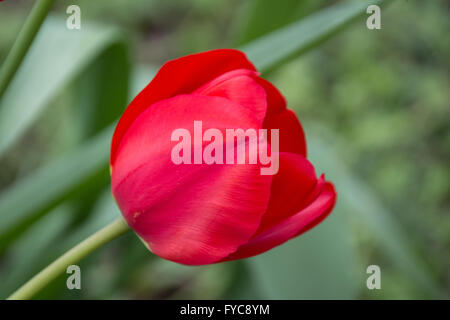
{"points": [[239, 86], [291, 186], [291, 135], [188, 213], [318, 209], [275, 101], [179, 76]]}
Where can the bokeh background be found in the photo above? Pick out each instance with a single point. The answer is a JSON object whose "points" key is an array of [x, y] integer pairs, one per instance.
{"points": [[374, 104]]}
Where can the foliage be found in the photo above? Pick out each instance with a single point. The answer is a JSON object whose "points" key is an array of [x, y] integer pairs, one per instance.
{"points": [[381, 95]]}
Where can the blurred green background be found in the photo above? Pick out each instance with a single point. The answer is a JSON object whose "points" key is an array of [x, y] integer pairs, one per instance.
{"points": [[374, 104]]}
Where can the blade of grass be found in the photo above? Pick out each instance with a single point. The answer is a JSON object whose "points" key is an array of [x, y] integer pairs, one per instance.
{"points": [[28, 255], [113, 230], [301, 36], [356, 196], [62, 178], [321, 264], [23, 42], [27, 200], [50, 237], [58, 56], [263, 16]]}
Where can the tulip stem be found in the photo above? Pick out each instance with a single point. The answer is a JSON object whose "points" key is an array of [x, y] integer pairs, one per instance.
{"points": [[53, 270], [23, 42]]}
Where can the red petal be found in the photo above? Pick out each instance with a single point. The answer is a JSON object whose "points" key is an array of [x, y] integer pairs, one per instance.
{"points": [[239, 86], [291, 186], [179, 76], [292, 226], [292, 136], [275, 101], [191, 214]]}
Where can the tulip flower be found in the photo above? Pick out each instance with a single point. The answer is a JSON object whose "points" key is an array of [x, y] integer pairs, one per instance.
{"points": [[199, 212]]}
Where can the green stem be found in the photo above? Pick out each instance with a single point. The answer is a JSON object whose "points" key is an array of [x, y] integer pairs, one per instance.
{"points": [[23, 42], [53, 270]]}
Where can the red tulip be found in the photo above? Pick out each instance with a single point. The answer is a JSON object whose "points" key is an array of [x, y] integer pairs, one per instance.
{"points": [[203, 213]]}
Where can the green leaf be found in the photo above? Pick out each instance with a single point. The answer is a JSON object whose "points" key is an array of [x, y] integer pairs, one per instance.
{"points": [[320, 264], [101, 91], [103, 212], [56, 57], [270, 50], [28, 255], [67, 176], [356, 197], [264, 16], [25, 201]]}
